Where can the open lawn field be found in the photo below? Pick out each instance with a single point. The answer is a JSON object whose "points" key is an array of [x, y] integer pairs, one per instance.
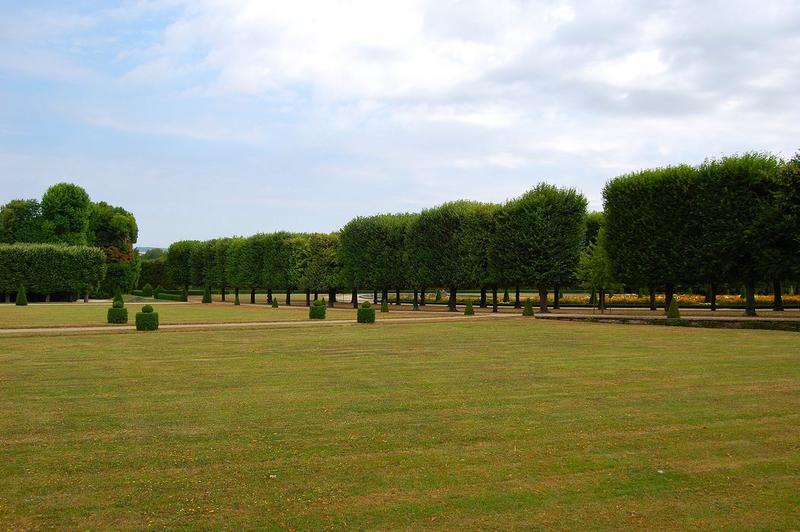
{"points": [[494, 424], [80, 314]]}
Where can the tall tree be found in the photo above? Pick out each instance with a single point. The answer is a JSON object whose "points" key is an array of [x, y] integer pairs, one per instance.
{"points": [[66, 207]]}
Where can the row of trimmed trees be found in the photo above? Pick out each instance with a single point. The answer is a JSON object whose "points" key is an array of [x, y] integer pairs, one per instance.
{"points": [[732, 220], [534, 240]]}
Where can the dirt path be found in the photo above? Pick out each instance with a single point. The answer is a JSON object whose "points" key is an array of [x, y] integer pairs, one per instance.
{"points": [[241, 325]]}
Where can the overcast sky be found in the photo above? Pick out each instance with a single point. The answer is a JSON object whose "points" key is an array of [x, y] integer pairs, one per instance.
{"points": [[212, 118]]}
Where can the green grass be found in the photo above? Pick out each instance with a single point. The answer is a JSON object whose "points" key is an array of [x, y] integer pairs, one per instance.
{"points": [[80, 314], [453, 425]]}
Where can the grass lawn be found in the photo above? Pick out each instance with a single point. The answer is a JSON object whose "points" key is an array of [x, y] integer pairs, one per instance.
{"points": [[452, 425], [80, 314]]}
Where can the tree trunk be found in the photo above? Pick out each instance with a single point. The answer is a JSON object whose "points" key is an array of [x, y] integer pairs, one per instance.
{"points": [[354, 298], [652, 298], [777, 297], [669, 293], [416, 299], [483, 297], [269, 296], [316, 294], [556, 301], [375, 297], [253, 296], [602, 301], [288, 297], [331, 297], [308, 297], [397, 297], [494, 299], [422, 297], [385, 295], [543, 300], [517, 303], [750, 296], [713, 294], [451, 302], [85, 298], [236, 293], [592, 298]]}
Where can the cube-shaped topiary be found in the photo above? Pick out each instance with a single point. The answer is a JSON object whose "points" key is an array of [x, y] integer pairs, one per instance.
{"points": [[468, 310], [147, 290], [117, 315], [384, 306], [207, 295], [365, 313], [673, 313], [317, 310], [528, 310], [147, 320], [22, 297]]}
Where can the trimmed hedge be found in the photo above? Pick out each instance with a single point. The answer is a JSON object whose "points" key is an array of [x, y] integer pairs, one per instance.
{"points": [[317, 310], [166, 296], [147, 290], [365, 314], [146, 320], [117, 315], [51, 268]]}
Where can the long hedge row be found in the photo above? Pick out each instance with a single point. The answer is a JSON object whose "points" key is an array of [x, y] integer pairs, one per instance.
{"points": [[51, 268], [729, 220], [534, 240]]}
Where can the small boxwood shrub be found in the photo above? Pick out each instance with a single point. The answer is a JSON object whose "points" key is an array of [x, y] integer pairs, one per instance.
{"points": [[365, 313], [528, 310], [274, 302], [384, 306], [22, 297], [147, 320], [468, 310], [317, 310], [438, 295], [147, 290], [673, 312], [207, 295], [117, 315], [185, 295], [118, 296]]}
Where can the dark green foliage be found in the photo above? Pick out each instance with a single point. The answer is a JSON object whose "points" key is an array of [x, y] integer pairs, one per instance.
{"points": [[158, 290], [506, 297], [528, 309], [119, 275], [438, 296], [21, 221], [323, 269], [153, 254], [22, 297], [317, 310], [154, 272], [384, 306], [178, 264], [50, 268], [468, 310], [66, 208], [594, 221], [117, 315], [147, 290], [147, 320], [274, 302], [365, 313], [673, 312], [207, 295], [166, 296], [117, 303], [118, 297]]}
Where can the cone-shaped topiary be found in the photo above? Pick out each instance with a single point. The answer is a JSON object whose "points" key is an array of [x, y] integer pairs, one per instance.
{"points": [[117, 304], [157, 291], [673, 312], [22, 297], [147, 290], [384, 306], [506, 299], [528, 310], [147, 320], [274, 302], [236, 299], [206, 295], [317, 310], [365, 313], [468, 310], [185, 295], [438, 295], [118, 296]]}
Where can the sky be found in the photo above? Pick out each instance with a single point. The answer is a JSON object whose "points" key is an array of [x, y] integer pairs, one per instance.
{"points": [[220, 118]]}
